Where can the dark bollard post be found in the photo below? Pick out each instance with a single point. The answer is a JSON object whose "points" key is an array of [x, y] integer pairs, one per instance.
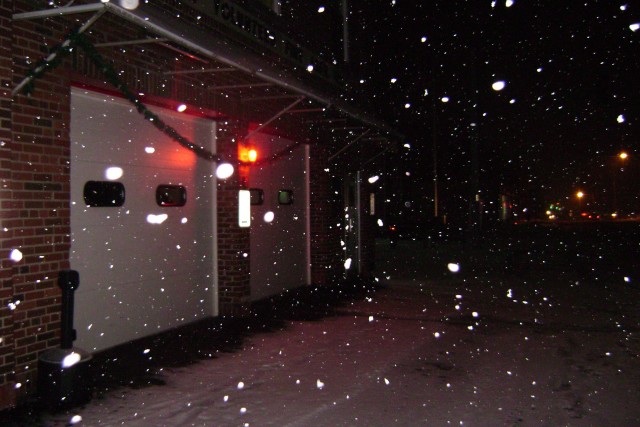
{"points": [[68, 281], [64, 374]]}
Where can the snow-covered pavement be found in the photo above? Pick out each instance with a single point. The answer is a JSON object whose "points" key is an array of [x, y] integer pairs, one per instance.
{"points": [[527, 349]]}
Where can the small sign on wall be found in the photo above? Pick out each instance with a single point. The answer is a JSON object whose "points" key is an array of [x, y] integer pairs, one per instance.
{"points": [[244, 208]]}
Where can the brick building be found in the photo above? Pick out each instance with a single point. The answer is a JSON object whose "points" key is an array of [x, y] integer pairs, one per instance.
{"points": [[114, 118]]}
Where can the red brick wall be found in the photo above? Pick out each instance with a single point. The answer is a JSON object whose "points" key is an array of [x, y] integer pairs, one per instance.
{"points": [[6, 286], [37, 220], [326, 261], [233, 241]]}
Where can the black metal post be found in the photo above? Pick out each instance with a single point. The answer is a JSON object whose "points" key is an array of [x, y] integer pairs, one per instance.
{"points": [[68, 281]]}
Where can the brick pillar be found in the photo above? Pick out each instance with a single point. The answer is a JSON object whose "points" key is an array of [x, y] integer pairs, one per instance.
{"points": [[37, 220], [233, 241], [7, 361], [326, 262], [368, 227]]}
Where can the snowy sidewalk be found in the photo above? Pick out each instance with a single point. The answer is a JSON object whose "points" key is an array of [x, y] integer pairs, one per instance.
{"points": [[402, 357], [532, 349]]}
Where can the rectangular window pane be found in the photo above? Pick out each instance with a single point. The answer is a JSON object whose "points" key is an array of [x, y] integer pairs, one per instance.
{"points": [[104, 194], [171, 195], [285, 197]]}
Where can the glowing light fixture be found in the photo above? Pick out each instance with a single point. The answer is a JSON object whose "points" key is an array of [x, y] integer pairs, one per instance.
{"points": [[247, 153], [244, 208]]}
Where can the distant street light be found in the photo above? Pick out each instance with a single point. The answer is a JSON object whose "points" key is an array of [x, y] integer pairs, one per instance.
{"points": [[580, 195], [623, 156]]}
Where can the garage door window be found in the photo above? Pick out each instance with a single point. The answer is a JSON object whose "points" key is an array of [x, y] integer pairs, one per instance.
{"points": [[171, 195], [285, 197], [104, 194]]}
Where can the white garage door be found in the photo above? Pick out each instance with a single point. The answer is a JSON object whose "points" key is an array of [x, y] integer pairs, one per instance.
{"points": [[280, 223], [145, 266]]}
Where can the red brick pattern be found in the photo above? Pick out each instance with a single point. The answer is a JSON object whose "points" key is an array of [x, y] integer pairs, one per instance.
{"points": [[7, 397], [37, 221], [233, 241], [326, 262]]}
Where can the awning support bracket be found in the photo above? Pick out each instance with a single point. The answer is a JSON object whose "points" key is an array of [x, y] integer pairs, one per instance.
{"points": [[275, 117], [356, 139]]}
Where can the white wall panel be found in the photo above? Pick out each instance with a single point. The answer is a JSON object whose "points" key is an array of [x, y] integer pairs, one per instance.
{"points": [[279, 250], [138, 278]]}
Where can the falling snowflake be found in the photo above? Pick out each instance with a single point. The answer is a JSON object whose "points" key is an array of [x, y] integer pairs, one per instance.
{"points": [[70, 359], [112, 173], [15, 255], [498, 85], [130, 4]]}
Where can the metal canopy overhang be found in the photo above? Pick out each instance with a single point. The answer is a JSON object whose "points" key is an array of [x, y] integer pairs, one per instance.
{"points": [[196, 40]]}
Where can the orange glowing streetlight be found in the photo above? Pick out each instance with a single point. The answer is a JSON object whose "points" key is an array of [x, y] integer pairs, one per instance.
{"points": [[623, 157], [579, 196]]}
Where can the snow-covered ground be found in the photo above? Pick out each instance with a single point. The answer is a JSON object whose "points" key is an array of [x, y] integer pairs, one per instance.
{"points": [[531, 347]]}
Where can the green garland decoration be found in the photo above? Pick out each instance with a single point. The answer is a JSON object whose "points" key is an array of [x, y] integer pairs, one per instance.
{"points": [[76, 39]]}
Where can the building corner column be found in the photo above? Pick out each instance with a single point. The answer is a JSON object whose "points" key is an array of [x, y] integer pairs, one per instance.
{"points": [[233, 241]]}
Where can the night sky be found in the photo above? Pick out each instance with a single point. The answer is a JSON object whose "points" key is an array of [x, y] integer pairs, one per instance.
{"points": [[571, 99]]}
